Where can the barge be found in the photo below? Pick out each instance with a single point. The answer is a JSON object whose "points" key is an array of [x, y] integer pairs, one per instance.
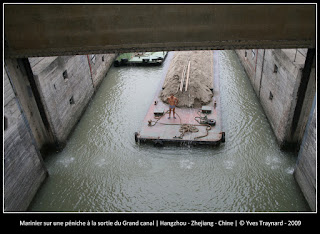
{"points": [[140, 59], [192, 126]]}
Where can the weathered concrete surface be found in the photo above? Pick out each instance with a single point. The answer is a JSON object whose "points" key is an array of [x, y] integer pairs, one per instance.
{"points": [[27, 99], [66, 85], [277, 77], [305, 171], [64, 99], [62, 86], [56, 92], [99, 65], [306, 94], [276, 80], [49, 30], [24, 171]]}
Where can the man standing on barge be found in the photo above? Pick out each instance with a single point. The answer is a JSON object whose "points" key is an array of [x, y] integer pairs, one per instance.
{"points": [[173, 101]]}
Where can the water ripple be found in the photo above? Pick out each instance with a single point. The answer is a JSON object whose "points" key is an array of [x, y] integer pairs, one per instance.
{"points": [[102, 169]]}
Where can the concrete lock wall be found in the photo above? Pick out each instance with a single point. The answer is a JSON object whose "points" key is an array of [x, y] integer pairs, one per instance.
{"points": [[305, 171], [66, 84], [276, 76], [24, 170], [285, 82], [65, 87], [99, 64], [27, 99], [43, 100]]}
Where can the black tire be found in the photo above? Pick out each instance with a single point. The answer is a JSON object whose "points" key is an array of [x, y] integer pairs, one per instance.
{"points": [[223, 138], [116, 63], [123, 62], [158, 143], [212, 122]]}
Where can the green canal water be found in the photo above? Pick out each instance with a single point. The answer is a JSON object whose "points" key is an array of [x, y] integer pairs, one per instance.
{"points": [[103, 169]]}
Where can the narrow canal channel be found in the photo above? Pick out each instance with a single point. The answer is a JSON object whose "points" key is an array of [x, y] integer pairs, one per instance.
{"points": [[103, 169]]}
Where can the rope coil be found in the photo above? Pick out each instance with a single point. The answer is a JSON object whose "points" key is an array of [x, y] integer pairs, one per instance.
{"points": [[184, 128]]}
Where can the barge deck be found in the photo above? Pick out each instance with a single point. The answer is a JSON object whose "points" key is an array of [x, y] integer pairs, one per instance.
{"points": [[190, 125]]}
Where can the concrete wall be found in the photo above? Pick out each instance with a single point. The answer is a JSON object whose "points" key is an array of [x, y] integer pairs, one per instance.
{"points": [[27, 99], [100, 64], [43, 100], [305, 171], [88, 29], [304, 106], [285, 82], [64, 99], [276, 77], [66, 84], [24, 171]]}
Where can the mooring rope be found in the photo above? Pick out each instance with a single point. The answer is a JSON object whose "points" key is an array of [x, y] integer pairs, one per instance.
{"points": [[184, 128]]}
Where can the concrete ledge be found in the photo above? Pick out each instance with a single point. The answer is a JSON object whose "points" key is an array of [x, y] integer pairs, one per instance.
{"points": [[49, 30]]}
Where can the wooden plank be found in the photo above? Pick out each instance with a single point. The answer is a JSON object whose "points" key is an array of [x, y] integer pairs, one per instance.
{"points": [[188, 74], [182, 80]]}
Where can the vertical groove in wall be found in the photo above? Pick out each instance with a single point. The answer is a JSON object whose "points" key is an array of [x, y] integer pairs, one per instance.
{"points": [[36, 93], [24, 116], [264, 51], [24, 169], [280, 113], [90, 70], [255, 67], [302, 89]]}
